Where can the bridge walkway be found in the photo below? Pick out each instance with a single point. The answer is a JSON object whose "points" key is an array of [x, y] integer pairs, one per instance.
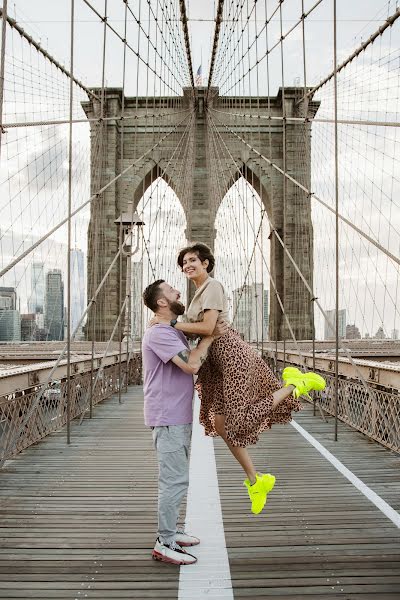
{"points": [[78, 521]]}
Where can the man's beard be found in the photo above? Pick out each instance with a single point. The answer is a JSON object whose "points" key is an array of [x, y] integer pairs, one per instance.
{"points": [[177, 308]]}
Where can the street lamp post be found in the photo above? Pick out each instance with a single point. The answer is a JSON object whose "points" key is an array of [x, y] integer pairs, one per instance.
{"points": [[130, 224]]}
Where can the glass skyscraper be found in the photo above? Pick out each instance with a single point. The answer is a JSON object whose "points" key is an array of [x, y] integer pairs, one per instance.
{"points": [[54, 305]]}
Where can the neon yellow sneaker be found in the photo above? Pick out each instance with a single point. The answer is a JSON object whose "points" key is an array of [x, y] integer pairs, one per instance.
{"points": [[259, 490], [302, 382]]}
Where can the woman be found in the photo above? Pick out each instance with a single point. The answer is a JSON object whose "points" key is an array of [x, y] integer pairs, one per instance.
{"points": [[240, 396]]}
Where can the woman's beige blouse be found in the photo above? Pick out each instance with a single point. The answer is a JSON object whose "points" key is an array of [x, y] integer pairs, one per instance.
{"points": [[209, 296]]}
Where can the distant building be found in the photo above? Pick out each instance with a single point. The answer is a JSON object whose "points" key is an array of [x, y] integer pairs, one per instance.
{"points": [[330, 334], [352, 332], [395, 334], [41, 332], [36, 300], [78, 287], [10, 319], [8, 298], [10, 326], [39, 318], [380, 334], [250, 310], [54, 305], [28, 327]]}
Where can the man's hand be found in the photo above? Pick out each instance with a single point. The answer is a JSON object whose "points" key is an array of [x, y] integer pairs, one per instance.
{"points": [[154, 321], [221, 329]]}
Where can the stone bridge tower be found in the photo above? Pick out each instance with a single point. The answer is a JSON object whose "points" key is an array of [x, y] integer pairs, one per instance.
{"points": [[287, 206]]}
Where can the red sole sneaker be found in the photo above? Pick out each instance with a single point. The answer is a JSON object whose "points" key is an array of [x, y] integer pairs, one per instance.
{"points": [[188, 545], [162, 558]]}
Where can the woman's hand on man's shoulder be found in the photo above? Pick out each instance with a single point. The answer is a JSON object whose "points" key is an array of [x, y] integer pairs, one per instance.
{"points": [[154, 321]]}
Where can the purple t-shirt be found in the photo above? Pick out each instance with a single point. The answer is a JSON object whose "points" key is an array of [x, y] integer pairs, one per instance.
{"points": [[168, 391]]}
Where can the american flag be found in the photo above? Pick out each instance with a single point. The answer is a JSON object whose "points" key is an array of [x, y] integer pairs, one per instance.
{"points": [[198, 79]]}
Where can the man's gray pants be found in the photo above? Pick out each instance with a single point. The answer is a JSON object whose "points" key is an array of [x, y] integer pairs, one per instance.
{"points": [[172, 444]]}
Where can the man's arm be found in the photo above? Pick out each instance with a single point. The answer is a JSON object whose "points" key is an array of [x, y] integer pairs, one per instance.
{"points": [[190, 361], [203, 328]]}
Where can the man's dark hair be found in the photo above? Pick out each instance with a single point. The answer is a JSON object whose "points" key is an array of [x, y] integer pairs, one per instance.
{"points": [[152, 293], [202, 251]]}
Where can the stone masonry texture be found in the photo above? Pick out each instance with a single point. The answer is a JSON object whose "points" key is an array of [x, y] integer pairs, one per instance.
{"points": [[114, 147]]}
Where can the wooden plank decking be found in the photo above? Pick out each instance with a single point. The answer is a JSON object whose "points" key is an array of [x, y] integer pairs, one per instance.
{"points": [[78, 522]]}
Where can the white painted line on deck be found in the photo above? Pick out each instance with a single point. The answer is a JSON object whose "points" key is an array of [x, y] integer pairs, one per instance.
{"points": [[210, 577], [379, 502]]}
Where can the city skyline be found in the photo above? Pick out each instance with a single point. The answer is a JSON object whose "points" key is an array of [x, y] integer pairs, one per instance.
{"points": [[41, 312]]}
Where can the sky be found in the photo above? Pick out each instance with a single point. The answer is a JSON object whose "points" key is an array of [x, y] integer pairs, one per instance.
{"points": [[49, 22], [369, 159]]}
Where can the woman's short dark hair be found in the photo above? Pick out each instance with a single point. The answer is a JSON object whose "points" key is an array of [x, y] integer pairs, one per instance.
{"points": [[152, 293], [202, 251]]}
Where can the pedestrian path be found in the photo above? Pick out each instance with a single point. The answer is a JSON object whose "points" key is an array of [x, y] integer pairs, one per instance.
{"points": [[78, 521]]}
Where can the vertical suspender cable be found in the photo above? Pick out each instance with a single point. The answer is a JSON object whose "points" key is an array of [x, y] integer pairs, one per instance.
{"points": [[336, 220], [271, 191], [71, 98], [120, 228], [98, 211], [303, 34], [283, 167], [2, 65]]}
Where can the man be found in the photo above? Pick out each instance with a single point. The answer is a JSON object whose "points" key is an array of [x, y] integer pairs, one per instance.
{"points": [[169, 366]]}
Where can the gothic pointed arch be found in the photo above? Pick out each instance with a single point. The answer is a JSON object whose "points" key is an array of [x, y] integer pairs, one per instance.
{"points": [[150, 173], [256, 178]]}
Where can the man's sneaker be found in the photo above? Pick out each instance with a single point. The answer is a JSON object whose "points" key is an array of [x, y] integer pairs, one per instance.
{"points": [[302, 382], [184, 539], [259, 490], [172, 553]]}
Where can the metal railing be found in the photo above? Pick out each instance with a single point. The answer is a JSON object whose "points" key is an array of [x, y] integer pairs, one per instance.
{"points": [[376, 414], [17, 432]]}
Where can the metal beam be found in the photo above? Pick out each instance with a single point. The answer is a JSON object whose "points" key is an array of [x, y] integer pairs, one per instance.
{"points": [[34, 375], [374, 372]]}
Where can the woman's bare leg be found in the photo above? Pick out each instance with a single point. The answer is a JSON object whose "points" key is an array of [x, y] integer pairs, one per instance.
{"points": [[241, 454], [281, 395]]}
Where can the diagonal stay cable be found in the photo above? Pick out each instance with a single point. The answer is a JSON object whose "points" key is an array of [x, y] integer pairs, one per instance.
{"points": [[272, 48], [258, 243], [388, 23], [13, 23], [100, 365], [14, 440], [139, 24], [104, 19], [369, 390], [226, 38], [92, 198], [392, 256]]}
